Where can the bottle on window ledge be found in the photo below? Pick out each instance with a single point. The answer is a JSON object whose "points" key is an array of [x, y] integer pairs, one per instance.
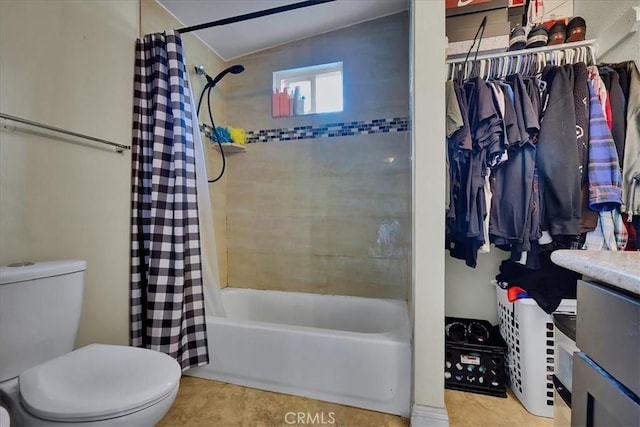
{"points": [[275, 103]]}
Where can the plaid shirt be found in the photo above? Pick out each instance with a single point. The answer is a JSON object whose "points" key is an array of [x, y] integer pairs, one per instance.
{"points": [[610, 234], [605, 179]]}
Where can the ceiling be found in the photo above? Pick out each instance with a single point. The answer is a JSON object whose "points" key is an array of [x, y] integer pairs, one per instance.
{"points": [[241, 38]]}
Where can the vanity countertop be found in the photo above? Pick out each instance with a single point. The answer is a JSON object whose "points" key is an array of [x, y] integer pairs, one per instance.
{"points": [[619, 269]]}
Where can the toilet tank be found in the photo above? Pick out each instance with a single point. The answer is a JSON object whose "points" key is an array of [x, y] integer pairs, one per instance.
{"points": [[40, 306]]}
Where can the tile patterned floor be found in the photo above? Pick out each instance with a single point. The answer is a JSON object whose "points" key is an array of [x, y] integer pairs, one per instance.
{"points": [[478, 410], [208, 403]]}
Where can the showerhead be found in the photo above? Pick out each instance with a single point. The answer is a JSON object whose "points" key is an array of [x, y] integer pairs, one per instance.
{"points": [[234, 69], [211, 82]]}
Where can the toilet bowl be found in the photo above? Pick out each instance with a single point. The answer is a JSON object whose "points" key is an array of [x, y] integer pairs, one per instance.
{"points": [[44, 383], [96, 385]]}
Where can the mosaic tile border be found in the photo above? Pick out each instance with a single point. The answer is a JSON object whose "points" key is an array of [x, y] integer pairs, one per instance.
{"points": [[331, 130]]}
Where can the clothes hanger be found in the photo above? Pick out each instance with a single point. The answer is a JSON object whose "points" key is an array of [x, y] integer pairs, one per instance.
{"points": [[512, 65], [520, 63], [570, 56], [527, 69], [497, 67], [550, 59], [562, 57], [541, 61], [580, 55], [523, 65]]}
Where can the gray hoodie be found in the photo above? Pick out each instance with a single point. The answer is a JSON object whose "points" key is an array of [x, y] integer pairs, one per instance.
{"points": [[631, 166]]}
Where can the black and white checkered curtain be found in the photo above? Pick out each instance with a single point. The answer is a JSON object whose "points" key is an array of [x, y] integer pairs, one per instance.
{"points": [[167, 302]]}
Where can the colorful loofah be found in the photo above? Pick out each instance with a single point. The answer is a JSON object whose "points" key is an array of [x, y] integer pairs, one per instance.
{"points": [[223, 133], [239, 136]]}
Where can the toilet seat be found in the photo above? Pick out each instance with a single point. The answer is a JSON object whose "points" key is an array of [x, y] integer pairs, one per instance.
{"points": [[98, 382]]}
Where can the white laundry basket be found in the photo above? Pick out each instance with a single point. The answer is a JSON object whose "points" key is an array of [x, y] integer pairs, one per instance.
{"points": [[529, 334]]}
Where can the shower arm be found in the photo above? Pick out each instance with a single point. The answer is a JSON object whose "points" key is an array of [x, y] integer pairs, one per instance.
{"points": [[234, 69]]}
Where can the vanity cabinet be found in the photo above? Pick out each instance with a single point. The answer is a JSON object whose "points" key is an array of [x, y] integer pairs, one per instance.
{"points": [[606, 373]]}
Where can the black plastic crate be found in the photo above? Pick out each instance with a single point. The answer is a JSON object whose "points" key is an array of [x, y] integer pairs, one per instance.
{"points": [[474, 357]]}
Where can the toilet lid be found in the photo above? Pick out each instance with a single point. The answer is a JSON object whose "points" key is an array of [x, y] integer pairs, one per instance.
{"points": [[98, 382]]}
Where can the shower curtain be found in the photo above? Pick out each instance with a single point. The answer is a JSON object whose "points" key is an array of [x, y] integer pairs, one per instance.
{"points": [[167, 296]]}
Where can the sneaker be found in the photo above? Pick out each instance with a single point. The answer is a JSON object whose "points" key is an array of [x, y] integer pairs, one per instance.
{"points": [[557, 33], [517, 38], [538, 37], [576, 30]]}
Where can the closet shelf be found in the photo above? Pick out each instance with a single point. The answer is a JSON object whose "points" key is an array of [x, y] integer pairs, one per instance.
{"points": [[454, 59]]}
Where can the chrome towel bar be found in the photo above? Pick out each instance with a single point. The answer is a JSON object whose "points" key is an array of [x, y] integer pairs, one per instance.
{"points": [[119, 147]]}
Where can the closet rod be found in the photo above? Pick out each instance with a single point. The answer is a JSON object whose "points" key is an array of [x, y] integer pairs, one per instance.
{"points": [[119, 147], [460, 58], [252, 15]]}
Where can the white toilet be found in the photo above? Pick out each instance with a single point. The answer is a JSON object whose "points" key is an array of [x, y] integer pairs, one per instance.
{"points": [[44, 383]]}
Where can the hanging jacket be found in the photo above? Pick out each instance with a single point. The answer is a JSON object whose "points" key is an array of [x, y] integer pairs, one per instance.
{"points": [[617, 103], [557, 155], [631, 165], [605, 181]]}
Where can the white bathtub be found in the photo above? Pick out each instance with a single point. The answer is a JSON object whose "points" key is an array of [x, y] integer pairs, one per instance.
{"points": [[349, 350]]}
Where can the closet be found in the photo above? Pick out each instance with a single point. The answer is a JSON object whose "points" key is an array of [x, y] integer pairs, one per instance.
{"points": [[542, 154], [495, 67]]}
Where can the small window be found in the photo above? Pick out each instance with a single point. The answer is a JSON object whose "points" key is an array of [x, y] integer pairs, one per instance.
{"points": [[311, 90]]}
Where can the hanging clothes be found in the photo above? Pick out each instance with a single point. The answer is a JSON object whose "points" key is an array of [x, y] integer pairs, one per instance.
{"points": [[557, 155], [512, 181], [605, 180], [581, 107], [455, 121], [617, 120], [459, 153], [631, 165], [535, 164], [468, 208]]}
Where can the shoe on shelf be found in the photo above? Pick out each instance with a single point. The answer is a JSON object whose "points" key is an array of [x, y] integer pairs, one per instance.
{"points": [[557, 33], [517, 38], [538, 37], [576, 29]]}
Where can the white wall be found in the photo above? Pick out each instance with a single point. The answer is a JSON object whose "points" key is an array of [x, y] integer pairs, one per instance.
{"points": [[600, 15], [428, 35], [70, 64], [468, 292]]}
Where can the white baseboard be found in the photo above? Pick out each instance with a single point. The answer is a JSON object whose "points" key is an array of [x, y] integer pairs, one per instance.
{"points": [[429, 416]]}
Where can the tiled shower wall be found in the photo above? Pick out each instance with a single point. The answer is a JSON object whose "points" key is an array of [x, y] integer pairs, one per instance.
{"points": [[330, 213]]}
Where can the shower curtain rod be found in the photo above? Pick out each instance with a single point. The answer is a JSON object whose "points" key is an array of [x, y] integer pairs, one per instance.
{"points": [[252, 15]]}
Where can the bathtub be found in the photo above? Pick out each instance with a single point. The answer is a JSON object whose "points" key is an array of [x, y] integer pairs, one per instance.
{"points": [[349, 350]]}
